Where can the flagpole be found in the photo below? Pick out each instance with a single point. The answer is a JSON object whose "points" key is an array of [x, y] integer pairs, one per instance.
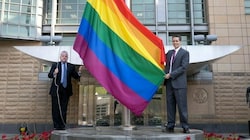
{"points": [[126, 112], [127, 3]]}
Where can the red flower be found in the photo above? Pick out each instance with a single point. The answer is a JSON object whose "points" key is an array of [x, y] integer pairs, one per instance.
{"points": [[32, 136], [4, 137], [45, 135], [16, 137]]}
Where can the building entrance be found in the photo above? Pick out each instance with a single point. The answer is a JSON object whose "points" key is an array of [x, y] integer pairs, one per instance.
{"points": [[98, 108]]}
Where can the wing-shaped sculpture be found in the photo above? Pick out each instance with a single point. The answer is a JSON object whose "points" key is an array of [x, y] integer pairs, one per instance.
{"points": [[200, 55]]}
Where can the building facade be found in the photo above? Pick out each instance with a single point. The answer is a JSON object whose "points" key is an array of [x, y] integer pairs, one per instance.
{"points": [[216, 93]]}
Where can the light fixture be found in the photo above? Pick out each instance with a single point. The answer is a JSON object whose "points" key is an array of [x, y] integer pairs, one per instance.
{"points": [[205, 40], [199, 38], [51, 40], [210, 39]]}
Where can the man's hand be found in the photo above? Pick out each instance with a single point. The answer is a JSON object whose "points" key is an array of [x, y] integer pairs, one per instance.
{"points": [[55, 71], [167, 76], [80, 69]]}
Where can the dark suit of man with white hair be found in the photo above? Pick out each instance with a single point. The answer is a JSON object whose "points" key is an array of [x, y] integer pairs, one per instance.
{"points": [[61, 89]]}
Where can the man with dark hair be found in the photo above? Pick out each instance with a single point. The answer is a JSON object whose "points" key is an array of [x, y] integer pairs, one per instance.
{"points": [[176, 85]]}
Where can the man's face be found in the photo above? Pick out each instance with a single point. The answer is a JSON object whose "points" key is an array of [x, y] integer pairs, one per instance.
{"points": [[176, 42], [64, 57]]}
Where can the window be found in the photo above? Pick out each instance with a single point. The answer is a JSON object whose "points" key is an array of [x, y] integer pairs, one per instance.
{"points": [[70, 12], [21, 18], [68, 39], [144, 10], [178, 11], [199, 11], [48, 10], [0, 9], [247, 6]]}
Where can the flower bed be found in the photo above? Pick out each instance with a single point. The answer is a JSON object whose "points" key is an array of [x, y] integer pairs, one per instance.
{"points": [[214, 136], [46, 136], [24, 136]]}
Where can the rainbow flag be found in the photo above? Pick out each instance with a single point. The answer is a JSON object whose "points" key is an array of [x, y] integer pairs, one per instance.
{"points": [[123, 55]]}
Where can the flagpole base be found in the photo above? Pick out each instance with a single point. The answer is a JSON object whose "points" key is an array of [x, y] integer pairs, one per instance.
{"points": [[128, 127], [114, 133]]}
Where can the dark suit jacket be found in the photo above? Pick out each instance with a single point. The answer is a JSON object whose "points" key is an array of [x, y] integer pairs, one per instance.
{"points": [[178, 75], [70, 73]]}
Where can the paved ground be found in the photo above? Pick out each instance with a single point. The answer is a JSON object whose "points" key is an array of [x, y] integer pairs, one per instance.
{"points": [[123, 133]]}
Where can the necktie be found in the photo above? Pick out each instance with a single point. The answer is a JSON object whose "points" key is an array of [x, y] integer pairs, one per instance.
{"points": [[64, 76], [172, 61], [173, 56]]}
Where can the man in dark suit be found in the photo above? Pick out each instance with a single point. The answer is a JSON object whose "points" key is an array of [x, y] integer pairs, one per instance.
{"points": [[176, 85], [61, 89]]}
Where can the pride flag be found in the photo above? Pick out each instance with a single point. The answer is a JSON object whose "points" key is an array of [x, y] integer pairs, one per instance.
{"points": [[124, 56]]}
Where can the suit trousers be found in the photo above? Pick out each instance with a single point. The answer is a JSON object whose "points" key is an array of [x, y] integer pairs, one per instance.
{"points": [[176, 97], [59, 109]]}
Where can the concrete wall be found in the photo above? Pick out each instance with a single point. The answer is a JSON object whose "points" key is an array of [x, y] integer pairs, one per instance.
{"points": [[228, 20], [226, 93]]}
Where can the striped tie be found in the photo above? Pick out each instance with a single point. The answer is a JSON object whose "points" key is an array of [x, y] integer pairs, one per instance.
{"points": [[172, 61]]}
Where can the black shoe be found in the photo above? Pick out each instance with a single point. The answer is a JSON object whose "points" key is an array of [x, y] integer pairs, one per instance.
{"points": [[170, 130], [59, 128], [186, 130]]}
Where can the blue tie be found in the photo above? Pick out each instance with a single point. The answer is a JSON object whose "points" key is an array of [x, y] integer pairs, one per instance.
{"points": [[64, 75]]}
